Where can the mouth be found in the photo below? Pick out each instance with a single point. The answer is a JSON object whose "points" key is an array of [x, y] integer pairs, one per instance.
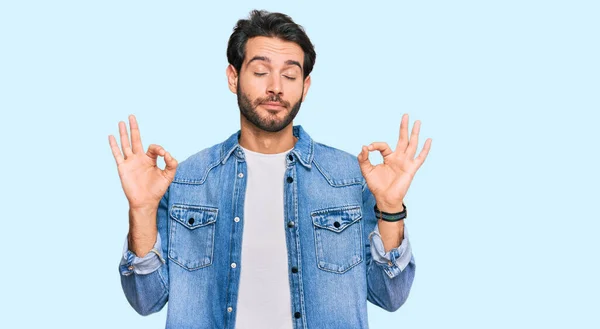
{"points": [[273, 105]]}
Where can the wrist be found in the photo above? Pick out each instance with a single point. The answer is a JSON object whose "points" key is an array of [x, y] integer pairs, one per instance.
{"points": [[393, 214], [143, 209], [390, 208]]}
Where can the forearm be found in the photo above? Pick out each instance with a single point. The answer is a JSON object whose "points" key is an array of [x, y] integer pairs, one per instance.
{"points": [[390, 273], [392, 233], [146, 293], [390, 265], [142, 230], [389, 293], [144, 279]]}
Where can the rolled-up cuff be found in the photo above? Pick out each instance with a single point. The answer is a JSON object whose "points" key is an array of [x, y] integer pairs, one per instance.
{"points": [[394, 261], [130, 263]]}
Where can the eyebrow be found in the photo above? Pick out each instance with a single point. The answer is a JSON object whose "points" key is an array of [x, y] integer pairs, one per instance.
{"points": [[268, 60]]}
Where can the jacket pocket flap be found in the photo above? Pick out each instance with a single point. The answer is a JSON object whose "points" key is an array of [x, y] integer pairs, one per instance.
{"points": [[336, 219], [193, 216]]}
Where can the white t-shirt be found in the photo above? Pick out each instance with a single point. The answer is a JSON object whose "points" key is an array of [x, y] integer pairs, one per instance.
{"points": [[264, 299]]}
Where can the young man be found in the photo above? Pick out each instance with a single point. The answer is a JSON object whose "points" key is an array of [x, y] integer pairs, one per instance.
{"points": [[268, 229]]}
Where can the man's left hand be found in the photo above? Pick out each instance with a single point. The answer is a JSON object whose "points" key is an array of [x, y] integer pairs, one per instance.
{"points": [[390, 180]]}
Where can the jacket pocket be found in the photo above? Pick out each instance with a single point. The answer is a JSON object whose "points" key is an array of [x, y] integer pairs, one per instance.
{"points": [[192, 234], [338, 238]]}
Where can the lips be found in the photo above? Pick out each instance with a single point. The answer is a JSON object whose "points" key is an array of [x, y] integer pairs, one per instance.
{"points": [[273, 105]]}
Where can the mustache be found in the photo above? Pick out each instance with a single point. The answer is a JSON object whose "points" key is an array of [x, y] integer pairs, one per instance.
{"points": [[272, 99]]}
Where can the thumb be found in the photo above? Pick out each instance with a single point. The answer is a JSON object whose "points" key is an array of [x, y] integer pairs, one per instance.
{"points": [[363, 161]]}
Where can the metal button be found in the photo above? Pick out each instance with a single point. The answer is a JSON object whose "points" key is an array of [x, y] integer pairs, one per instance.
{"points": [[191, 221], [233, 265], [130, 267], [336, 224], [291, 157], [237, 219], [390, 263], [290, 179], [240, 175], [297, 315], [291, 224], [230, 309], [294, 269]]}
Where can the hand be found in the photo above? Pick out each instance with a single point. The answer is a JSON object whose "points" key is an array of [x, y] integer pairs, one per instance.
{"points": [[143, 182], [390, 180]]}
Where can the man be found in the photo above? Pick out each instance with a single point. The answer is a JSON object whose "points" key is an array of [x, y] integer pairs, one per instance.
{"points": [[268, 229]]}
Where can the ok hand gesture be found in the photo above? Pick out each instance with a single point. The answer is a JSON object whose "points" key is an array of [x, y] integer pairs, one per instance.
{"points": [[390, 180], [143, 182]]}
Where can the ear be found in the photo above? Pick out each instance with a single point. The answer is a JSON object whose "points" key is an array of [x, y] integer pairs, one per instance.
{"points": [[232, 78], [306, 86]]}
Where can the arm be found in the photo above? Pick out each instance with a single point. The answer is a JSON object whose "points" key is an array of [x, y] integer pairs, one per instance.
{"points": [[145, 279], [390, 265], [389, 274], [144, 273]]}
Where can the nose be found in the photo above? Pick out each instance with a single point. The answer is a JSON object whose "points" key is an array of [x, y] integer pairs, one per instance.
{"points": [[275, 86]]}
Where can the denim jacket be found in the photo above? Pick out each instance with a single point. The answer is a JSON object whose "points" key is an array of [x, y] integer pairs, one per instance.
{"points": [[335, 254]]}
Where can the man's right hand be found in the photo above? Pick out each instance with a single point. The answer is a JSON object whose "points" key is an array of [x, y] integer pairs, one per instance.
{"points": [[143, 182]]}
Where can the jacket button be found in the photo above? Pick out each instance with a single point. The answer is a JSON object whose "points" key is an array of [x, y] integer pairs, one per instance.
{"points": [[297, 315], [336, 224], [191, 221], [294, 269], [291, 157], [291, 224], [290, 179]]}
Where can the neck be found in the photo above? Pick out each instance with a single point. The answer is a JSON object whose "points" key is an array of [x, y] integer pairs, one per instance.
{"points": [[260, 141]]}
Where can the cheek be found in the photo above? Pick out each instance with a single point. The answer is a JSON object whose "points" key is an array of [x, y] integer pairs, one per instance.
{"points": [[295, 91], [252, 87]]}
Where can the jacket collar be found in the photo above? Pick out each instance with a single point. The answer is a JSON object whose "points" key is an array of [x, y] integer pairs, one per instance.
{"points": [[303, 149]]}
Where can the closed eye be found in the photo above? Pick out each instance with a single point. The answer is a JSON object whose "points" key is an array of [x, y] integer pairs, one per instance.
{"points": [[289, 78], [259, 74]]}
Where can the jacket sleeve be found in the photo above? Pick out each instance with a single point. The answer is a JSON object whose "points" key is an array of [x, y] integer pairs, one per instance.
{"points": [[145, 279], [389, 275]]}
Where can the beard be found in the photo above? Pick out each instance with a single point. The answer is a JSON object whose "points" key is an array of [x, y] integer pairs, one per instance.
{"points": [[271, 122]]}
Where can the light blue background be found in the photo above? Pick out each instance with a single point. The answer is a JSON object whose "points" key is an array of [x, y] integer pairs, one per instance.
{"points": [[503, 215]]}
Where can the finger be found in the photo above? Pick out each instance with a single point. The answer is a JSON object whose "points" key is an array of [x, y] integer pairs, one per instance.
{"points": [[154, 151], [423, 154], [363, 161], [382, 147], [413, 143], [136, 140], [403, 138], [115, 150], [170, 165], [124, 139]]}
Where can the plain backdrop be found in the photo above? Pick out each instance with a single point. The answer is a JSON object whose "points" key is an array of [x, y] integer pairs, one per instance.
{"points": [[503, 214]]}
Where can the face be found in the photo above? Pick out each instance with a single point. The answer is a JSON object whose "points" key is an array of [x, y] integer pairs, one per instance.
{"points": [[270, 86]]}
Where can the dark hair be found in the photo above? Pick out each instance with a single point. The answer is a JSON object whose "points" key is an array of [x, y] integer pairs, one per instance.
{"points": [[266, 24]]}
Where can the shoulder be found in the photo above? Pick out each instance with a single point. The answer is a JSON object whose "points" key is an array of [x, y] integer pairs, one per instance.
{"points": [[195, 168], [339, 167]]}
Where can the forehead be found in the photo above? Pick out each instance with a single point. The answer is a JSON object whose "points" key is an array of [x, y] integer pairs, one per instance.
{"points": [[279, 51]]}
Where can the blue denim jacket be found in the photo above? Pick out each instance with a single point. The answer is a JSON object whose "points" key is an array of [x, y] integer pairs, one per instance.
{"points": [[335, 254]]}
